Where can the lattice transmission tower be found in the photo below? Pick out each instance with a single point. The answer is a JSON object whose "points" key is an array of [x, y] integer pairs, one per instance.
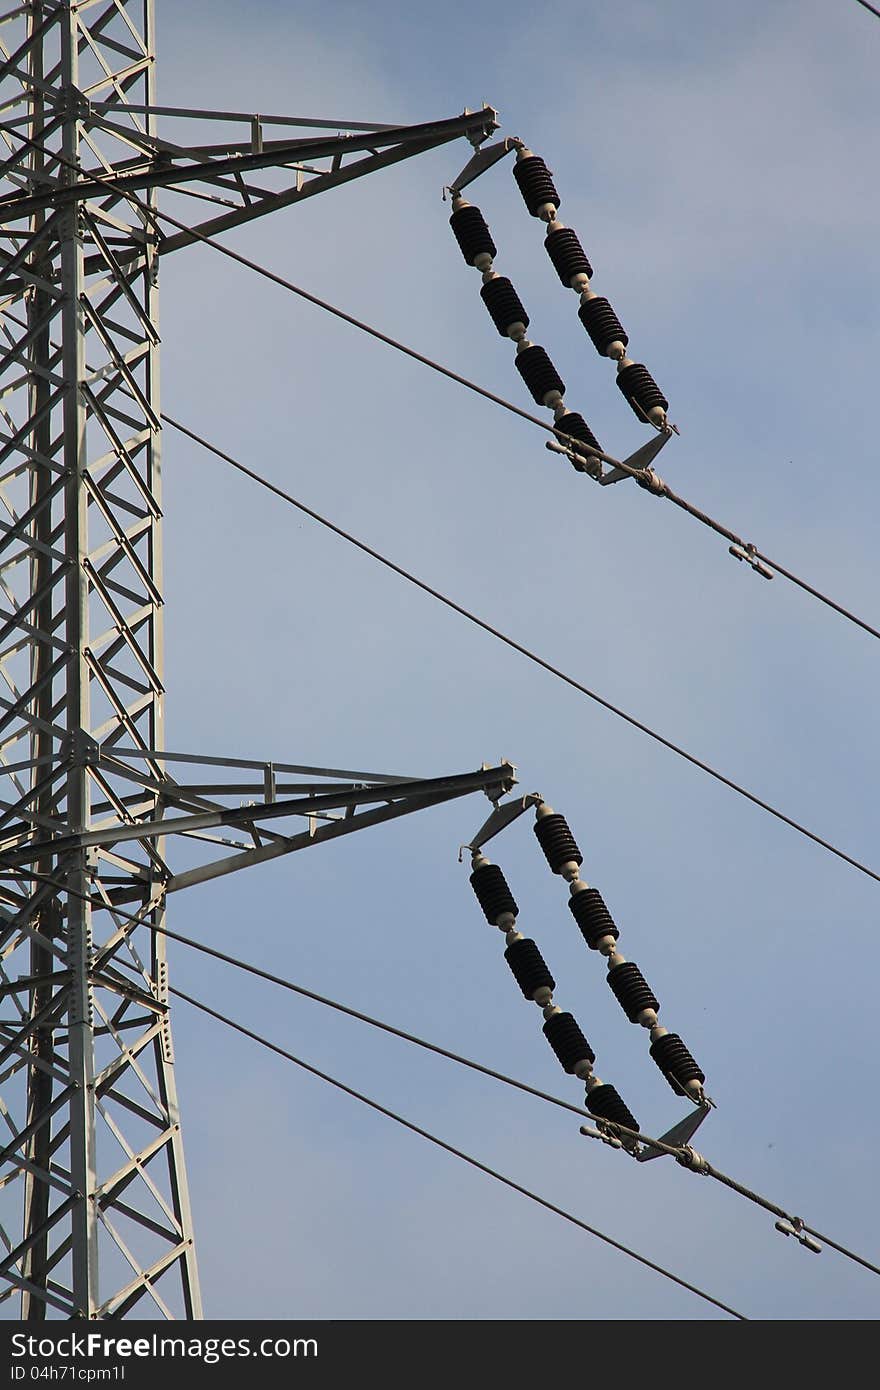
{"points": [[99, 823]]}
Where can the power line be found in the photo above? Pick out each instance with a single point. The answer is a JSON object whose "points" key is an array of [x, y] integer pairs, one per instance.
{"points": [[866, 6], [518, 647], [457, 1153], [662, 489], [671, 496], [673, 1151], [677, 1152], [507, 405]]}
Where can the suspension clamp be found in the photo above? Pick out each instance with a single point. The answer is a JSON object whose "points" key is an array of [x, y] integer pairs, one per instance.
{"points": [[749, 554], [794, 1226]]}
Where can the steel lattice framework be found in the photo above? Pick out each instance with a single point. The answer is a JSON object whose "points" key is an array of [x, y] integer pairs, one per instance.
{"points": [[95, 831]]}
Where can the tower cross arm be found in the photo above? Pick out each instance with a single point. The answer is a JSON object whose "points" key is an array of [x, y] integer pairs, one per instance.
{"points": [[168, 166], [401, 795]]}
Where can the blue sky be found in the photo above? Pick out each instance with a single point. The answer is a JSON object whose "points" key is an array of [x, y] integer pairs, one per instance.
{"points": [[715, 161]]}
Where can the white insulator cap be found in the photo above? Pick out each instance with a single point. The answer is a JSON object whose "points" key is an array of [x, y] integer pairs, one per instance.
{"points": [[552, 399], [543, 996], [624, 362], [523, 152], [523, 344], [516, 331], [490, 275], [616, 350], [593, 1082], [616, 959], [605, 945], [658, 1031], [657, 416], [547, 212], [478, 859], [587, 294], [513, 935], [506, 921], [648, 1018], [459, 201], [580, 282], [569, 870], [551, 1009], [583, 1069], [694, 1088], [577, 885], [482, 261], [544, 810]]}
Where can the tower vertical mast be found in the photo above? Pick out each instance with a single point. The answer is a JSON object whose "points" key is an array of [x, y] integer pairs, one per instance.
{"points": [[92, 1150], [82, 655]]}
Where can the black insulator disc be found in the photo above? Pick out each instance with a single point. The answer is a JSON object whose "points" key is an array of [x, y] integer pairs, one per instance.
{"points": [[631, 989], [567, 254], [605, 1102], [504, 304], [567, 1040], [676, 1063], [493, 894], [592, 916], [574, 424], [640, 389], [602, 324], [529, 967], [471, 233], [557, 841], [535, 183], [538, 373]]}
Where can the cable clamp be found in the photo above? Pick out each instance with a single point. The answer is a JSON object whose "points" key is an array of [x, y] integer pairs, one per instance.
{"points": [[750, 555], [585, 462], [690, 1158], [607, 1138], [794, 1226]]}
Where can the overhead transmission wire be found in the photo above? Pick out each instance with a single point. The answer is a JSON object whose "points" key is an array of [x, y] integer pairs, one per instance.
{"points": [[664, 491], [457, 1153], [667, 492], [661, 490], [523, 650], [866, 6], [384, 1110], [421, 584], [467, 1062]]}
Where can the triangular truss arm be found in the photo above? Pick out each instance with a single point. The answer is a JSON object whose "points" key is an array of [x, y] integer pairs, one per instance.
{"points": [[223, 173], [330, 803], [120, 985]]}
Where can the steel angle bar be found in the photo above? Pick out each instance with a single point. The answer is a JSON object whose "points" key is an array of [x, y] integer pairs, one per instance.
{"points": [[305, 840], [345, 774], [195, 113], [318, 183]]}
